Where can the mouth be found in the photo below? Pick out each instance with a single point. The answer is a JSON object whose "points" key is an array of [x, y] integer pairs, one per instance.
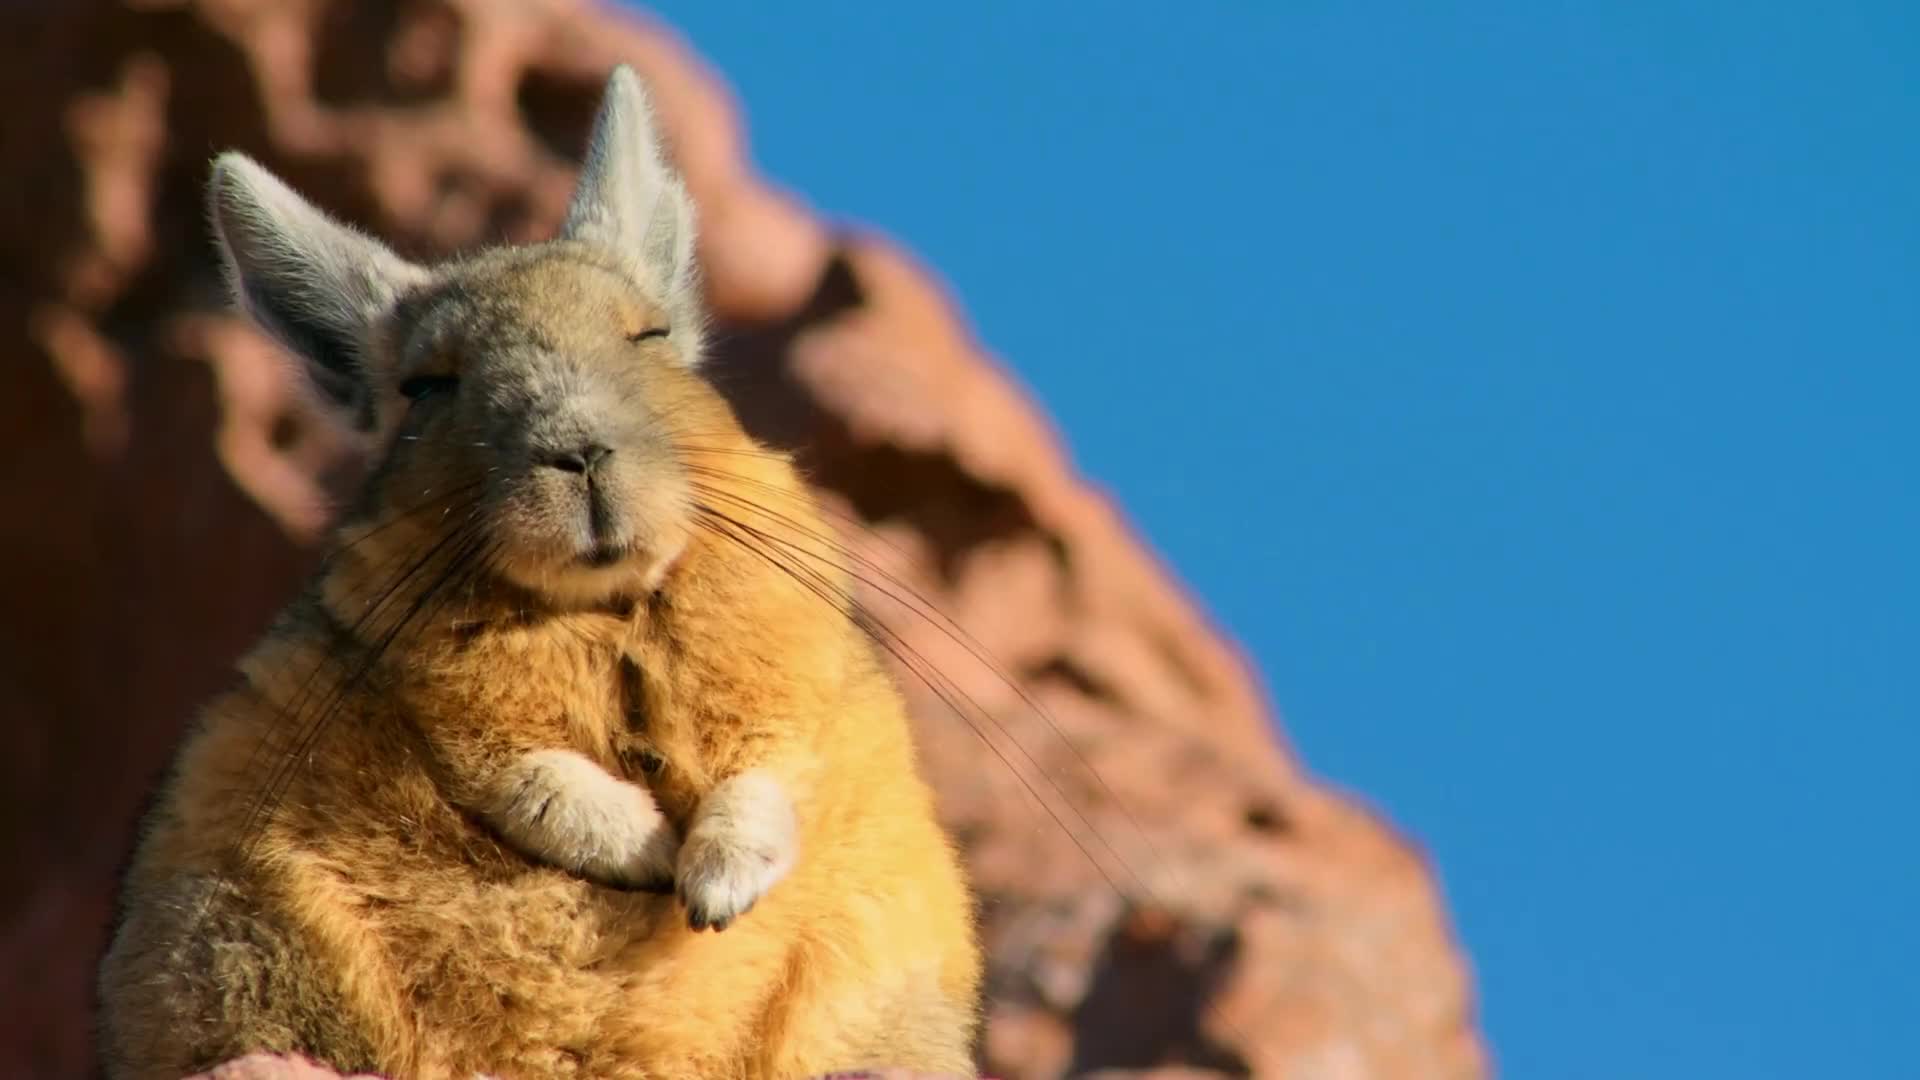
{"points": [[604, 554]]}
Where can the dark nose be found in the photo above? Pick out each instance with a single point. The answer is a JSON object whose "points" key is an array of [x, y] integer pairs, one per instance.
{"points": [[579, 459]]}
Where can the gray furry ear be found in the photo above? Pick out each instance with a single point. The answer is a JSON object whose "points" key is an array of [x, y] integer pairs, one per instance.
{"points": [[631, 202], [313, 283]]}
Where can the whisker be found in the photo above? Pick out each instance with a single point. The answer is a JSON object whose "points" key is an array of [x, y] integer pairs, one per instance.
{"points": [[330, 708], [296, 706], [401, 516], [306, 731], [931, 677], [930, 612], [940, 685], [802, 501]]}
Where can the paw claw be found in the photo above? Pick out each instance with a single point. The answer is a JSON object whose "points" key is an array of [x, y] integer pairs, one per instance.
{"points": [[741, 845], [719, 888]]}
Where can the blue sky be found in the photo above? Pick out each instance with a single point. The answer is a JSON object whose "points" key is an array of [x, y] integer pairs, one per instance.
{"points": [[1531, 388]]}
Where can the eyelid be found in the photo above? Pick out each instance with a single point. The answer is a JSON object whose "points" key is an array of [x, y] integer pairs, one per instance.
{"points": [[649, 333], [420, 386]]}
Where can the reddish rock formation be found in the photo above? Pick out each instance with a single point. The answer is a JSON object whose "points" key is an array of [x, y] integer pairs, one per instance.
{"points": [[164, 486], [273, 1067]]}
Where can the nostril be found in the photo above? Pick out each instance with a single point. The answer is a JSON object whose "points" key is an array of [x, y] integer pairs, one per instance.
{"points": [[578, 460]]}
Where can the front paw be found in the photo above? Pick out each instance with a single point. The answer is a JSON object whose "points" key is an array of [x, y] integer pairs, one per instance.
{"points": [[742, 842], [647, 868], [719, 882], [560, 807]]}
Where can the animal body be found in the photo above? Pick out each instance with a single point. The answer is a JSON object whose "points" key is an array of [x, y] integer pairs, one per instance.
{"points": [[572, 760]]}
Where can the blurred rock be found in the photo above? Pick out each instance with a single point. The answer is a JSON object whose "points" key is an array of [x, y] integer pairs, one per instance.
{"points": [[1203, 909], [273, 1067]]}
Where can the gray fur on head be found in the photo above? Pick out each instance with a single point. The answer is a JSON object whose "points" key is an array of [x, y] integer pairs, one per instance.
{"points": [[320, 286], [632, 203]]}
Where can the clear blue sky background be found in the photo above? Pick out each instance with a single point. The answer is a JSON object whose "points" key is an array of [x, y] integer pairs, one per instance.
{"points": [[1532, 388]]}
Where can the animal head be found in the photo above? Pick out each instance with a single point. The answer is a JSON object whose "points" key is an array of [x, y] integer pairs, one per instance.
{"points": [[538, 390]]}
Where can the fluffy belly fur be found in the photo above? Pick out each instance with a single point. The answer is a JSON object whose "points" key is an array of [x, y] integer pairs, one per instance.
{"points": [[397, 935]]}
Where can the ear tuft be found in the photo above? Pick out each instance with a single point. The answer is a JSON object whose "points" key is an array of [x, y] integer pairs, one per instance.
{"points": [[630, 201], [314, 284]]}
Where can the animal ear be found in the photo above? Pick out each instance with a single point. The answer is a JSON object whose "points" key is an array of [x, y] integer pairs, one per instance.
{"points": [[631, 202], [313, 283]]}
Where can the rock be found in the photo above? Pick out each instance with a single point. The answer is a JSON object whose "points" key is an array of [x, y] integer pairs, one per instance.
{"points": [[166, 483], [274, 1067]]}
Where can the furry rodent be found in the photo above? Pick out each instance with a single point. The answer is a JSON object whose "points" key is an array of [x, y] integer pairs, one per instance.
{"points": [[577, 649]]}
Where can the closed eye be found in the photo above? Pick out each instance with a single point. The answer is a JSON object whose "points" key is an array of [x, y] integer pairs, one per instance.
{"points": [[648, 334], [421, 386]]}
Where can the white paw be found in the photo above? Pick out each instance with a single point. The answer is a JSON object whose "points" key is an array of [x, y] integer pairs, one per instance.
{"points": [[743, 841], [560, 807]]}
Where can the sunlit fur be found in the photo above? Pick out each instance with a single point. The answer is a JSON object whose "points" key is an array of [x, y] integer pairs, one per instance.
{"points": [[435, 828]]}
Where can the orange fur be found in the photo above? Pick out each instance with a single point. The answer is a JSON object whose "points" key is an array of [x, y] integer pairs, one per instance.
{"points": [[384, 914]]}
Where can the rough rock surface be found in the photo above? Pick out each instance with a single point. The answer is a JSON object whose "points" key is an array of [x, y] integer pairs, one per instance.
{"points": [[273, 1067], [164, 487]]}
